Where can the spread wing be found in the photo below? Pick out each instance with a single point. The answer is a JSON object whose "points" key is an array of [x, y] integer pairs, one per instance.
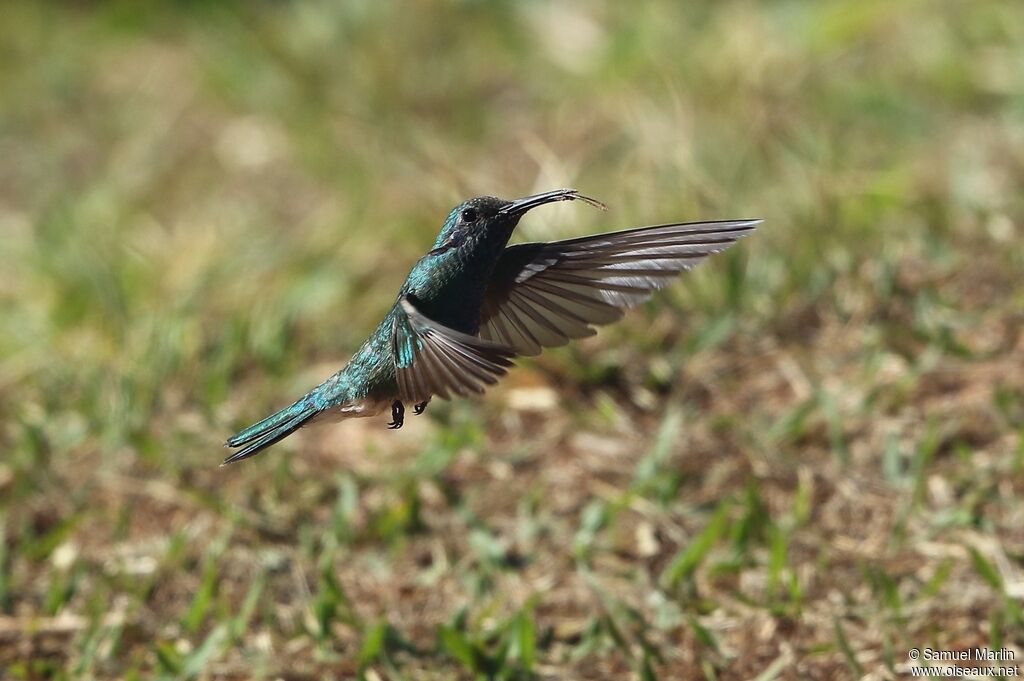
{"points": [[431, 359], [544, 294]]}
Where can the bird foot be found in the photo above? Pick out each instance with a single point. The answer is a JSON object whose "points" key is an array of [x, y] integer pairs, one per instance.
{"points": [[397, 415], [420, 408]]}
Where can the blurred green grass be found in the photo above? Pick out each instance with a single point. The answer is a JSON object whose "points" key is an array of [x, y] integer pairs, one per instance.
{"points": [[803, 459]]}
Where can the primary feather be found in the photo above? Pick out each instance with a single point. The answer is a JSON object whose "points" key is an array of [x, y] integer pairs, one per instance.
{"points": [[545, 294]]}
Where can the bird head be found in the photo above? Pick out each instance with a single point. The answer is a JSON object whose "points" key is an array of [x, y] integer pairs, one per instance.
{"points": [[488, 219]]}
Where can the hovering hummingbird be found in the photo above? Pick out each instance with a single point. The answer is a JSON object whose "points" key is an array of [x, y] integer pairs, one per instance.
{"points": [[472, 303]]}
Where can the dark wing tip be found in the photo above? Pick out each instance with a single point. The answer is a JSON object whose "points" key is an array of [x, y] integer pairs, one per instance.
{"points": [[742, 228], [749, 224], [738, 224]]}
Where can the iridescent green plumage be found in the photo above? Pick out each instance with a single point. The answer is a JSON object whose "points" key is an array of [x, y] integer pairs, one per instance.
{"points": [[472, 304]]}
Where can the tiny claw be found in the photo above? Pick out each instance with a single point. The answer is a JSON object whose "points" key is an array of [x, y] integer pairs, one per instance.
{"points": [[397, 415]]}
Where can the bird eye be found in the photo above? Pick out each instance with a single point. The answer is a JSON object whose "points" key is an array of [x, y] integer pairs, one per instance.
{"points": [[469, 215]]}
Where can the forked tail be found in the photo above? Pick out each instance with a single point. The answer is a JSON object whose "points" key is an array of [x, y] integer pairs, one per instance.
{"points": [[274, 428]]}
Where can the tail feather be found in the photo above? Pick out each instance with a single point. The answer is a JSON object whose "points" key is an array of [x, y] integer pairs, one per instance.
{"points": [[260, 427], [272, 429]]}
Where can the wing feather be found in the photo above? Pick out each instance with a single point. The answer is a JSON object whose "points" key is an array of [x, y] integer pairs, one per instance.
{"points": [[543, 295], [432, 359]]}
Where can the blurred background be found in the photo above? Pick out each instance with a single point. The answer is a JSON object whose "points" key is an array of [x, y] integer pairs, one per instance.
{"points": [[802, 460]]}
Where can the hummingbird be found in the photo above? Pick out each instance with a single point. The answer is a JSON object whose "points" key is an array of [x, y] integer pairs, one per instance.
{"points": [[473, 303]]}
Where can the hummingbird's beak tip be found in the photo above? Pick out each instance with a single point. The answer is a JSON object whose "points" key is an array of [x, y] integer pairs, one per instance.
{"points": [[601, 205], [574, 195], [566, 194]]}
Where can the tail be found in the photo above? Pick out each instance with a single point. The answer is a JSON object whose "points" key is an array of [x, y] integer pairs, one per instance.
{"points": [[274, 428]]}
